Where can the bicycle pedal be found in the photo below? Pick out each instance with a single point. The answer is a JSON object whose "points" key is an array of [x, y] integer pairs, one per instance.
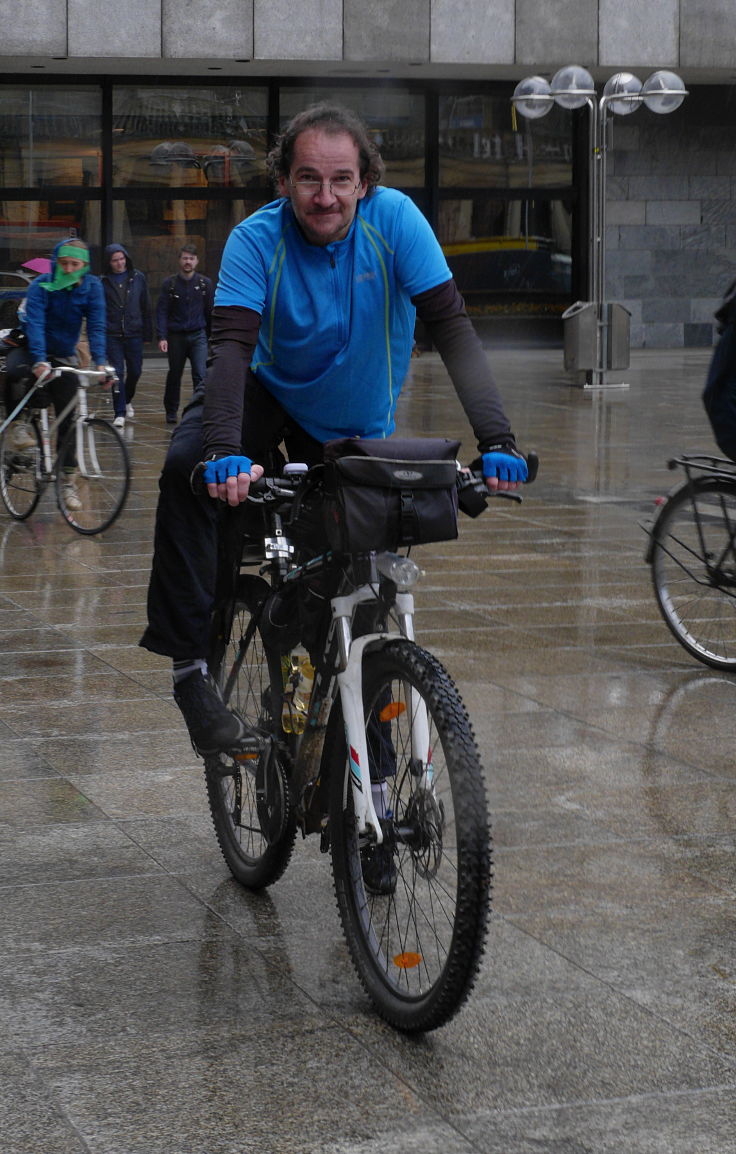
{"points": [[247, 749]]}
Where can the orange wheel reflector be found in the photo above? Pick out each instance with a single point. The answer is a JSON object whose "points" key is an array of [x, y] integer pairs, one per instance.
{"points": [[391, 711], [407, 961], [246, 757]]}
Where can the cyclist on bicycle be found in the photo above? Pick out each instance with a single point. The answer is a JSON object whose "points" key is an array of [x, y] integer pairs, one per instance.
{"points": [[312, 335], [57, 305]]}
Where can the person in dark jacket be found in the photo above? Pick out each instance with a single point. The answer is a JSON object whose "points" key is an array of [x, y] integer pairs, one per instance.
{"points": [[57, 305], [129, 324], [183, 324]]}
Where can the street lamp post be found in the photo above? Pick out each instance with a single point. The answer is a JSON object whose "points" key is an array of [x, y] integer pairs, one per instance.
{"points": [[573, 87]]}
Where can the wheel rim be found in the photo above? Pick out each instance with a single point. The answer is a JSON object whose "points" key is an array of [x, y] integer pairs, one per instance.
{"points": [[694, 569], [100, 479]]}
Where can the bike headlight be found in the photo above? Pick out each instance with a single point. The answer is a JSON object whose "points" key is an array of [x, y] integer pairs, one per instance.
{"points": [[401, 570]]}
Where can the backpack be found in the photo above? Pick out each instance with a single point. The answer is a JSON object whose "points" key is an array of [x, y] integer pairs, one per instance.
{"points": [[719, 394]]}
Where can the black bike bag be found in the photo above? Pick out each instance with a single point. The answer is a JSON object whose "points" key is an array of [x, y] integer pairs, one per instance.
{"points": [[383, 494]]}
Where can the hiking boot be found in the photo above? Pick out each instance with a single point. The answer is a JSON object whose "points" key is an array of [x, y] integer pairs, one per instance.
{"points": [[212, 727], [71, 497], [379, 870]]}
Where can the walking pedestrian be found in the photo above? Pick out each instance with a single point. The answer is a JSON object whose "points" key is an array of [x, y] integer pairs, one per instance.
{"points": [[129, 325], [183, 317]]}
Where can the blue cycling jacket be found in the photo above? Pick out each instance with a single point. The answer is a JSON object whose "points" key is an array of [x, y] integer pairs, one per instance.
{"points": [[53, 320]]}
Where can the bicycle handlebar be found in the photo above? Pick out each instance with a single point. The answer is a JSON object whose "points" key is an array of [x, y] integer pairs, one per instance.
{"points": [[85, 377], [472, 489]]}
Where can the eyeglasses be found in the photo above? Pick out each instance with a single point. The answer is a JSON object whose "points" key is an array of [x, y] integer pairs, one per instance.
{"points": [[341, 186]]}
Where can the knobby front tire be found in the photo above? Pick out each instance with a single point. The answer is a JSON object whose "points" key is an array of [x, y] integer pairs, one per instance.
{"points": [[100, 473], [249, 798], [418, 949], [694, 569], [21, 485]]}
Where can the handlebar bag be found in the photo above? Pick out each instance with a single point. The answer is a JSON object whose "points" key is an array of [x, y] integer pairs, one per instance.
{"points": [[382, 494]]}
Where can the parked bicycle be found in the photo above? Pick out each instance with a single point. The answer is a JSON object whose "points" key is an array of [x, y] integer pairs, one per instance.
{"points": [[91, 469], [360, 737], [692, 552]]}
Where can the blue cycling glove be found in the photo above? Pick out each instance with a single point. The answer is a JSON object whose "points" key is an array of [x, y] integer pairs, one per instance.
{"points": [[505, 464], [217, 472]]}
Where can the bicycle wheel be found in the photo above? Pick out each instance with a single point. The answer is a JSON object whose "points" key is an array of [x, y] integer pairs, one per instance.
{"points": [[21, 454], [249, 794], [694, 569], [92, 476], [417, 945]]}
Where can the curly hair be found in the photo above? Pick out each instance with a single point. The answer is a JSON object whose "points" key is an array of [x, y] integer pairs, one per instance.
{"points": [[332, 119]]}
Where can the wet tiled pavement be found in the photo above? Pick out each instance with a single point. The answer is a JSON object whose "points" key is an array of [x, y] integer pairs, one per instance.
{"points": [[149, 1006]]}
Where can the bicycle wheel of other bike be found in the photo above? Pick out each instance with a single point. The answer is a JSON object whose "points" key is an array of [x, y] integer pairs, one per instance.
{"points": [[694, 569], [20, 469], [92, 476], [249, 794], [415, 910]]}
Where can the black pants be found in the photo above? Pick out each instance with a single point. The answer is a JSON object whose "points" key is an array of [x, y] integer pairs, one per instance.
{"points": [[183, 576], [190, 346]]}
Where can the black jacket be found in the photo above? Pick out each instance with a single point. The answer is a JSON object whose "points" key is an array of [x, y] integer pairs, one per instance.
{"points": [[129, 312], [184, 306]]}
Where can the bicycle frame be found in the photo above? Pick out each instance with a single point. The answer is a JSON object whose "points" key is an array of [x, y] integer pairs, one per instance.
{"points": [[341, 662], [344, 655], [87, 462]]}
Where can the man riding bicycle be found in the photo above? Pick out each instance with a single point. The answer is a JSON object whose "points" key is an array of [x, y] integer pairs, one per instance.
{"points": [[312, 334]]}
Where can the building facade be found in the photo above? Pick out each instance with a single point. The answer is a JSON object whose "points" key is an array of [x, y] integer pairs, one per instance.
{"points": [[147, 123]]}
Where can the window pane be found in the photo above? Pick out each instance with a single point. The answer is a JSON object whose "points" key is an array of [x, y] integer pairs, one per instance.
{"points": [[183, 137], [154, 229], [512, 248], [395, 120], [31, 228], [50, 136], [483, 142]]}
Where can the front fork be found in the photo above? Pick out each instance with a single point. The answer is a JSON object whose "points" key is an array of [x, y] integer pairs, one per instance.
{"points": [[350, 684]]}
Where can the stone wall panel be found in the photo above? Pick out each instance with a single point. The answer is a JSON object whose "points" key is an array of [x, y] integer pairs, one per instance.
{"points": [[386, 29], [464, 32], [215, 29]]}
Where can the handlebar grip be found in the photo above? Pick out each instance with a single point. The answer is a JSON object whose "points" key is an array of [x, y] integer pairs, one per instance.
{"points": [[532, 465], [199, 488], [196, 480]]}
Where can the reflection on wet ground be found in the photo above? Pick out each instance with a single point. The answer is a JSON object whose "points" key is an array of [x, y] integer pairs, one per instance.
{"points": [[148, 1006]]}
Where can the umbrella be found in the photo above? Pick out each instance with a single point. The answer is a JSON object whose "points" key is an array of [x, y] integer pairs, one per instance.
{"points": [[37, 264]]}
